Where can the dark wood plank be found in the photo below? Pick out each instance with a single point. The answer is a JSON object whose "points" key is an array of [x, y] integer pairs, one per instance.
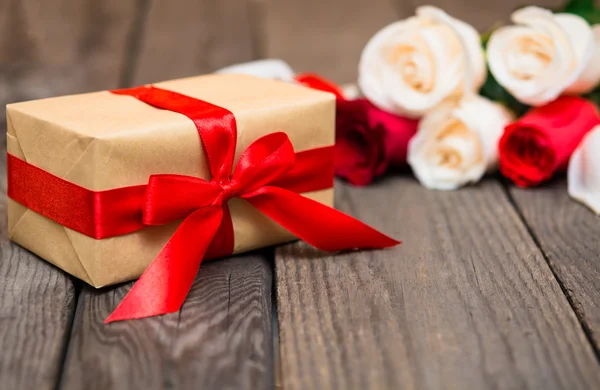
{"points": [[568, 234], [47, 48], [191, 37], [58, 47], [467, 301], [221, 339], [37, 302], [326, 37]]}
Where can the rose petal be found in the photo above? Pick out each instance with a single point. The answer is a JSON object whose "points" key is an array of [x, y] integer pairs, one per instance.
{"points": [[397, 132], [571, 41], [359, 149], [476, 68], [541, 142], [584, 171], [468, 128], [370, 78], [582, 41], [590, 76], [488, 118], [412, 65], [447, 76]]}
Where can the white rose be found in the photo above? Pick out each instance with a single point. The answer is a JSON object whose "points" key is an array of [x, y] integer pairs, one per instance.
{"points": [[457, 143], [412, 65], [584, 171], [545, 55], [266, 69], [590, 76]]}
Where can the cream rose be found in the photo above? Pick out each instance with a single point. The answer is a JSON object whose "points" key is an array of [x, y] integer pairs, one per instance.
{"points": [[457, 142], [584, 171], [412, 65], [266, 69], [545, 55]]}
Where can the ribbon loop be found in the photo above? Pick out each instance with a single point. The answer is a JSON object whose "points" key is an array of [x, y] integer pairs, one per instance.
{"points": [[192, 193], [264, 161]]}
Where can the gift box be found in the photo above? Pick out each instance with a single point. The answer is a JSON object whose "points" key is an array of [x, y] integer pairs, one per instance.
{"points": [[68, 154]]}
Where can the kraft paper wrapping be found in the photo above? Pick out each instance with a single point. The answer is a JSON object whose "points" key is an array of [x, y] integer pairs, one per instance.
{"points": [[102, 141]]}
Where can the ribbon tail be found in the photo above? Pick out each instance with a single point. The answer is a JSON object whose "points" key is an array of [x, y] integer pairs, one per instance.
{"points": [[162, 288], [321, 226]]}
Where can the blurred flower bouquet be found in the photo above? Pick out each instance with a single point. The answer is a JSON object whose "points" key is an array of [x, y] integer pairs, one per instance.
{"points": [[455, 105]]}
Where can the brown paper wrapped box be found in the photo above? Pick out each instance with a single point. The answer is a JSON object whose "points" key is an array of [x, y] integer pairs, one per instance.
{"points": [[102, 141]]}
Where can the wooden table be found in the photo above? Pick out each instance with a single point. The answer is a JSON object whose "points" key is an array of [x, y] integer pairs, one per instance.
{"points": [[494, 286]]}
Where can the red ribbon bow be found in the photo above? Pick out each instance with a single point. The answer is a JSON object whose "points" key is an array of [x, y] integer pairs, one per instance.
{"points": [[262, 171]]}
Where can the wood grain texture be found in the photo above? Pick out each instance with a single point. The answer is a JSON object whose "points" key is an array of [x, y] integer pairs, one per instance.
{"points": [[568, 234], [221, 339], [188, 38], [58, 47], [467, 301], [37, 302]]}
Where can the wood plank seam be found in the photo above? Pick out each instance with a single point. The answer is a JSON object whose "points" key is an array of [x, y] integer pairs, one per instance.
{"points": [[277, 373], [68, 335], [578, 313]]}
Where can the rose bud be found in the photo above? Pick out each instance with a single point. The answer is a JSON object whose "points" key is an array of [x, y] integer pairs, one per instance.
{"points": [[412, 65], [456, 143], [584, 171], [539, 144], [545, 55], [368, 140]]}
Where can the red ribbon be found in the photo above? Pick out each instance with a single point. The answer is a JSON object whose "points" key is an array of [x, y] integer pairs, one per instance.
{"points": [[315, 81], [268, 175]]}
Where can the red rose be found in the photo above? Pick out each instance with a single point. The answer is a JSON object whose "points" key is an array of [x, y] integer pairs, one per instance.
{"points": [[398, 130], [368, 140], [539, 144]]}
